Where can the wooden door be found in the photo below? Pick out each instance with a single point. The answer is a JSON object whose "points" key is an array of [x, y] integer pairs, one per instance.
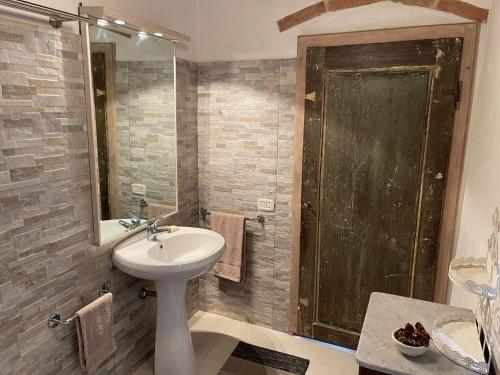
{"points": [[103, 62], [378, 123]]}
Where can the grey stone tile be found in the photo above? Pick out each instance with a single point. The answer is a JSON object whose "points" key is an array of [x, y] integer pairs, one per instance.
{"points": [[4, 177], [19, 161], [18, 92]]}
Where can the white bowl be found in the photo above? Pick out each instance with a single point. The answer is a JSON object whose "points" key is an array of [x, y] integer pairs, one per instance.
{"points": [[411, 351]]}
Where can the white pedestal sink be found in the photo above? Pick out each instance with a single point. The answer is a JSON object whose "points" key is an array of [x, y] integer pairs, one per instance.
{"points": [[171, 261]]}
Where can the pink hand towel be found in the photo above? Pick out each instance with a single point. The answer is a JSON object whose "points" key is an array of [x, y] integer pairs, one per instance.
{"points": [[94, 327], [232, 227], [155, 210]]}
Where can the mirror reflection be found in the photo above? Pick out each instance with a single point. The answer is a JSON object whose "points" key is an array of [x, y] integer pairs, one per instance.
{"points": [[133, 79]]}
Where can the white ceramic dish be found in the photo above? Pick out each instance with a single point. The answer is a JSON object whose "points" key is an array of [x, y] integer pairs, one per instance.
{"points": [[457, 337], [411, 351]]}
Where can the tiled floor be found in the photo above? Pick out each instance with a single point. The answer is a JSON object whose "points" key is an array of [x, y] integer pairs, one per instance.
{"points": [[215, 337]]}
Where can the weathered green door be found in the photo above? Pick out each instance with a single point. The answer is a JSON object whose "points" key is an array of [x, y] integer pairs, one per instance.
{"points": [[377, 139]]}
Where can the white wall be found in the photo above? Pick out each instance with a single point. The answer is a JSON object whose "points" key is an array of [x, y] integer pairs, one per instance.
{"points": [[228, 30], [482, 172], [241, 29]]}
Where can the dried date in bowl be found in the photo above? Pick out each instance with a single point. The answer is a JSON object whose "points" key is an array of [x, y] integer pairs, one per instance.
{"points": [[410, 340], [413, 336]]}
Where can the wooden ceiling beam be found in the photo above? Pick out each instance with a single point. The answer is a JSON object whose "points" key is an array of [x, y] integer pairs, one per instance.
{"points": [[457, 7], [335, 5], [463, 9], [302, 16]]}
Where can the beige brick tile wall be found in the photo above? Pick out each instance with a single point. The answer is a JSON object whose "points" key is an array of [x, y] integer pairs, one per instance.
{"points": [[245, 142], [146, 133]]}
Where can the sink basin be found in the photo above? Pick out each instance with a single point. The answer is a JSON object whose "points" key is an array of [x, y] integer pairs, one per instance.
{"points": [[170, 261], [184, 254]]}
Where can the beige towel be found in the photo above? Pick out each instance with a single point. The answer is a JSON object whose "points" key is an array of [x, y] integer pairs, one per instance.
{"points": [[156, 210], [232, 227], [95, 332]]}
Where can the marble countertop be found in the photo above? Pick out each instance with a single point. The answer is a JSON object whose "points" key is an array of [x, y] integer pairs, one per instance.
{"points": [[387, 312]]}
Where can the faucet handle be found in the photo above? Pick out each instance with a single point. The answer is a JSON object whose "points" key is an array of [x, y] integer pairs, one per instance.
{"points": [[134, 219]]}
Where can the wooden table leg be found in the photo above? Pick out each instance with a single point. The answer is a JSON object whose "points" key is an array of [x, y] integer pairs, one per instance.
{"points": [[366, 371]]}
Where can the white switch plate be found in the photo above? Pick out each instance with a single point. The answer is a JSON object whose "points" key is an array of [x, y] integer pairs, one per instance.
{"points": [[139, 189], [265, 205]]}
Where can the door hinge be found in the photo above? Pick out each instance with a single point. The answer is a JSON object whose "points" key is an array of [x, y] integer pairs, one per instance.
{"points": [[458, 97]]}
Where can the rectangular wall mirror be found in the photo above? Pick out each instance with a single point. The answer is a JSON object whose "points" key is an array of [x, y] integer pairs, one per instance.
{"points": [[133, 128]]}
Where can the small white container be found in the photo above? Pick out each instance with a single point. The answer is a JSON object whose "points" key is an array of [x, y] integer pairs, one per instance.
{"points": [[411, 351]]}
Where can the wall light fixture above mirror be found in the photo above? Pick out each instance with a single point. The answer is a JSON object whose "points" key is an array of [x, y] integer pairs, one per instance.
{"points": [[132, 132], [106, 16]]}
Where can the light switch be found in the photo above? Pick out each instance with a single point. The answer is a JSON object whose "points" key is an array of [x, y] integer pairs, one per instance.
{"points": [[265, 205], [139, 189]]}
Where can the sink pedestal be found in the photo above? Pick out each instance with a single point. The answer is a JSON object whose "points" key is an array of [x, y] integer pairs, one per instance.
{"points": [[170, 261], [174, 353]]}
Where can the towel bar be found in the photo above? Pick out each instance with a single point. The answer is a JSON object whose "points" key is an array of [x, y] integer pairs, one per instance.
{"points": [[55, 320], [259, 218], [145, 292]]}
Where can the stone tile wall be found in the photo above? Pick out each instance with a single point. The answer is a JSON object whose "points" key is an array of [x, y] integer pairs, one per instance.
{"points": [[187, 159], [245, 141], [146, 132], [47, 259]]}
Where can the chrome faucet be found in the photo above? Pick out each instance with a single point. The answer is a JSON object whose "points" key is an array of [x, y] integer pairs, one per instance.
{"points": [[153, 230]]}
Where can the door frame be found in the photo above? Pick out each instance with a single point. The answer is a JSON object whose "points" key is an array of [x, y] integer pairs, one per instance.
{"points": [[454, 186], [109, 51]]}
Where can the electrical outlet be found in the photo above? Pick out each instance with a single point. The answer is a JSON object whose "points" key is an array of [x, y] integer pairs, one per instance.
{"points": [[265, 205], [139, 189]]}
